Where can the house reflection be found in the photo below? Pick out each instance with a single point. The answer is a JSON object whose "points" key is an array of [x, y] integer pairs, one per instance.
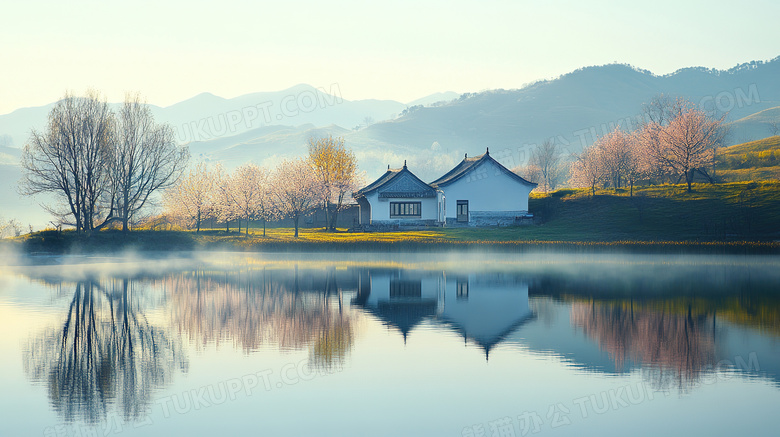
{"points": [[483, 309]]}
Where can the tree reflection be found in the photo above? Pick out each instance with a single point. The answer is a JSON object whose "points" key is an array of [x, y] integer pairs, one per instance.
{"points": [[255, 308], [106, 352], [674, 346]]}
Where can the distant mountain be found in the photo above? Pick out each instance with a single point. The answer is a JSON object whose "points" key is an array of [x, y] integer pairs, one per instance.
{"points": [[755, 126], [25, 209], [9, 155], [574, 109], [207, 116], [436, 98], [265, 146]]}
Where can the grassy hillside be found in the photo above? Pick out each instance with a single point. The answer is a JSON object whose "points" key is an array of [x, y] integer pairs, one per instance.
{"points": [[733, 211], [752, 161]]}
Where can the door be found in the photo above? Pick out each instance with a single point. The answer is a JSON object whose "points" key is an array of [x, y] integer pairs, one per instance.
{"points": [[463, 211]]}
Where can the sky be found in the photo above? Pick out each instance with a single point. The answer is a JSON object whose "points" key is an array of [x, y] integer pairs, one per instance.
{"points": [[400, 50]]}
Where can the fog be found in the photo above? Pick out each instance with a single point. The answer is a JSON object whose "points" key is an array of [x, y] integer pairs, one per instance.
{"points": [[658, 271]]}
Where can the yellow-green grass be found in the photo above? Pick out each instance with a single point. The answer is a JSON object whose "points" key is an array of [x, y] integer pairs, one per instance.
{"points": [[755, 160], [758, 146]]}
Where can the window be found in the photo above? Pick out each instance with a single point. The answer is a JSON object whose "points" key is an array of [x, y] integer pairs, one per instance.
{"points": [[462, 290], [405, 288], [405, 209]]}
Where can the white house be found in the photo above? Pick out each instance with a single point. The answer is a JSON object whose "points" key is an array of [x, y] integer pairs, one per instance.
{"points": [[479, 191], [398, 196]]}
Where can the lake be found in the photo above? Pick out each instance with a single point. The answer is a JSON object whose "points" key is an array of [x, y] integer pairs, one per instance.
{"points": [[437, 344]]}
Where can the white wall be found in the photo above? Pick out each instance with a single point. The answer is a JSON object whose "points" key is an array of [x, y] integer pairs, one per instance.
{"points": [[490, 309], [380, 286], [380, 209], [487, 188]]}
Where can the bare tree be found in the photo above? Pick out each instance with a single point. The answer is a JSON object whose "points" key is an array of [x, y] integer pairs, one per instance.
{"points": [[774, 128], [336, 168], [10, 228], [146, 158], [72, 158], [104, 167], [296, 189], [661, 109], [547, 158], [587, 171], [531, 173]]}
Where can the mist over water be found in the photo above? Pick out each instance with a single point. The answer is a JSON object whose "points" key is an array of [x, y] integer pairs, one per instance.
{"points": [[149, 343]]}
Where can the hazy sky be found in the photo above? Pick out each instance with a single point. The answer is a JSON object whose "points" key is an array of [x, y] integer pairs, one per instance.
{"points": [[400, 50]]}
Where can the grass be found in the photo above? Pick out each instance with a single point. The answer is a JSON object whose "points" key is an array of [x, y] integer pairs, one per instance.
{"points": [[720, 212], [752, 161], [732, 217]]}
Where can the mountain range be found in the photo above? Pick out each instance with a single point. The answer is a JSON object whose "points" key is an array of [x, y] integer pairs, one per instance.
{"points": [[433, 133], [573, 109]]}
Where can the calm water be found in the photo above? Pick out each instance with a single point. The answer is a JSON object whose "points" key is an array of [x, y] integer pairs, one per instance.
{"points": [[435, 344]]}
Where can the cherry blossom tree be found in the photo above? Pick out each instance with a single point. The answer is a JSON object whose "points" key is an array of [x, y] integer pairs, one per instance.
{"points": [[247, 190], [193, 199], [686, 143], [225, 209], [614, 152], [637, 164], [296, 189]]}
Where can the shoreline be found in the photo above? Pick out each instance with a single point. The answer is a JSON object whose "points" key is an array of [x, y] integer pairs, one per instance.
{"points": [[111, 242]]}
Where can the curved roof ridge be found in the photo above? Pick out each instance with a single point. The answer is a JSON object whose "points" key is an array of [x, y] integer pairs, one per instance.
{"points": [[465, 166], [386, 178]]}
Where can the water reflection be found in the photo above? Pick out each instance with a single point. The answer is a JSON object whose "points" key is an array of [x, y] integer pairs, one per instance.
{"points": [[481, 308], [249, 308], [105, 352], [676, 329], [677, 346], [108, 350]]}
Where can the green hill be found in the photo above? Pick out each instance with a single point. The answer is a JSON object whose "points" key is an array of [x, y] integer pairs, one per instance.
{"points": [[730, 211], [757, 125], [753, 161]]}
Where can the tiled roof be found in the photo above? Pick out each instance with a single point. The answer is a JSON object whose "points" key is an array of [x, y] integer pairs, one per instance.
{"points": [[469, 164], [389, 176], [460, 170]]}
